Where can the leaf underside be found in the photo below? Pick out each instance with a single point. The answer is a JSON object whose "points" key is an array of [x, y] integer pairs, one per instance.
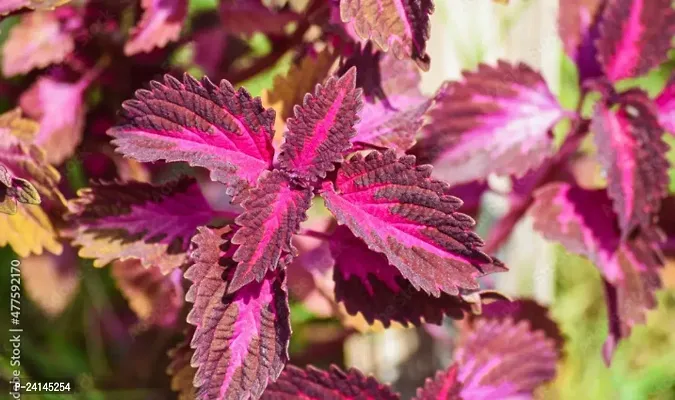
{"points": [[366, 283]]}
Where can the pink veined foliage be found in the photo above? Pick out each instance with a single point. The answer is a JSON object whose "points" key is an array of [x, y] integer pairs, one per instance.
{"points": [[132, 134]]}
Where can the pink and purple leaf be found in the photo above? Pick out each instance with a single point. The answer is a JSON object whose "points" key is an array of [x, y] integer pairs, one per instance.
{"points": [[498, 119], [398, 210], [241, 339], [216, 127]]}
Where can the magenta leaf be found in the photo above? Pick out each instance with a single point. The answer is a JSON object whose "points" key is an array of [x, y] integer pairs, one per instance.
{"points": [[523, 310], [394, 108], [139, 220], [161, 23], [314, 384], [444, 385], [251, 16], [497, 120], [399, 25], [665, 104], [561, 213], [502, 359], [578, 27], [398, 210], [504, 353], [272, 214], [241, 339], [635, 36], [395, 120], [59, 108], [632, 152], [205, 125], [366, 283], [322, 128]]}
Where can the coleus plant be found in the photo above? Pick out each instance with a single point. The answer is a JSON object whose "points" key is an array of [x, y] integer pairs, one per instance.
{"points": [[403, 236], [358, 139], [501, 119]]}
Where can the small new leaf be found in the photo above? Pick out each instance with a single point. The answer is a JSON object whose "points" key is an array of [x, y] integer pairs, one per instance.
{"points": [[322, 128], [398, 210]]}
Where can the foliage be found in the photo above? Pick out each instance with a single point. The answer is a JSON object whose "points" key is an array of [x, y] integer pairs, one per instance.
{"points": [[217, 209]]}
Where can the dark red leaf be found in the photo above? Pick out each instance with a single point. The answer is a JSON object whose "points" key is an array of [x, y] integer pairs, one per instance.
{"points": [[314, 384], [398, 210], [562, 213], [578, 26], [633, 153], [322, 128], [366, 283], [214, 127], [635, 36], [139, 220], [241, 339], [273, 212]]}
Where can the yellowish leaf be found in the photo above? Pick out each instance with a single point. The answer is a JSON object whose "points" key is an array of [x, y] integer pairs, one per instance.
{"points": [[180, 370], [51, 281], [154, 297], [37, 41], [29, 231]]}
